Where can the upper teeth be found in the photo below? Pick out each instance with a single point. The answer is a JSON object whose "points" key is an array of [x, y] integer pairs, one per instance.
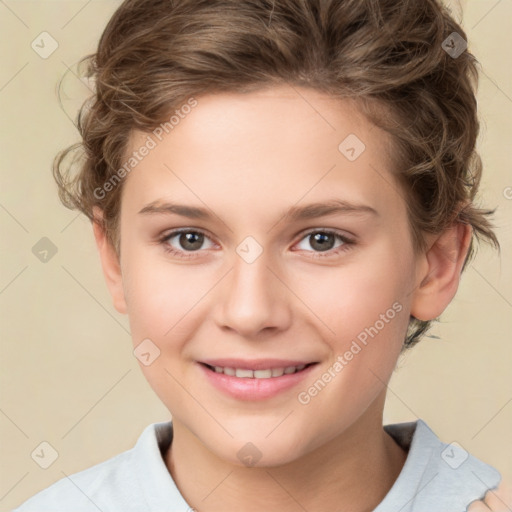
{"points": [[259, 374]]}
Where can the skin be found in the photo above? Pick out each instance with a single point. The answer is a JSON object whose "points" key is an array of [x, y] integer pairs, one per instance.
{"points": [[248, 158], [497, 500]]}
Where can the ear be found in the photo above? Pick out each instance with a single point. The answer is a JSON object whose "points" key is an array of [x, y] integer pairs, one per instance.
{"points": [[439, 270], [109, 262]]}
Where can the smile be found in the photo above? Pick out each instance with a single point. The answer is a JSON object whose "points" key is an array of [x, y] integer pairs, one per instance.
{"points": [[267, 373], [255, 380]]}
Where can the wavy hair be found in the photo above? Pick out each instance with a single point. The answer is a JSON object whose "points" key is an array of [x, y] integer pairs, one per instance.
{"points": [[388, 55]]}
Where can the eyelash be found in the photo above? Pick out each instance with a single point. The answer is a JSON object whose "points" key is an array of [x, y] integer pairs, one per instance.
{"points": [[346, 245]]}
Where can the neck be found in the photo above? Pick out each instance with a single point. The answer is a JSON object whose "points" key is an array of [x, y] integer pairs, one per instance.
{"points": [[355, 469]]}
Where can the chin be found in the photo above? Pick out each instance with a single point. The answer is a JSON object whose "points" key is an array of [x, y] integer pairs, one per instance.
{"points": [[261, 452]]}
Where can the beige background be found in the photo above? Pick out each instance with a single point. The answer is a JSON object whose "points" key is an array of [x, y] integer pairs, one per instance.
{"points": [[68, 375]]}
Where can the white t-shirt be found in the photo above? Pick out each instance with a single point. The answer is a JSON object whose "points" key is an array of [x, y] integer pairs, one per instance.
{"points": [[436, 477]]}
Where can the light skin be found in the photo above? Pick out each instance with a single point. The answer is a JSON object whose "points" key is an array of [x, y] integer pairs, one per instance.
{"points": [[496, 500], [247, 159]]}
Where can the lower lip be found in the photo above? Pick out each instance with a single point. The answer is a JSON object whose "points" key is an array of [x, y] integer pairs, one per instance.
{"points": [[254, 389]]}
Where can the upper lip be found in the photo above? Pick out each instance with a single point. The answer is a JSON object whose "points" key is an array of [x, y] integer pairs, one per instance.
{"points": [[255, 364]]}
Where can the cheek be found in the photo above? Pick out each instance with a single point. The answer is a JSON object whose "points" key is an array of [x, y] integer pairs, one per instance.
{"points": [[354, 296], [159, 294]]}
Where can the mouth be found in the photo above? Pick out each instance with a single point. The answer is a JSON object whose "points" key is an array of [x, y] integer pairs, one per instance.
{"points": [[264, 373], [255, 380]]}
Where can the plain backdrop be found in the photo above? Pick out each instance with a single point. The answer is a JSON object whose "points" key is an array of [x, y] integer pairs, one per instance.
{"points": [[68, 374]]}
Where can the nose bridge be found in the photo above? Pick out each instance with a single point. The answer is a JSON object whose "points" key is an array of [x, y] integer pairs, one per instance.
{"points": [[253, 298]]}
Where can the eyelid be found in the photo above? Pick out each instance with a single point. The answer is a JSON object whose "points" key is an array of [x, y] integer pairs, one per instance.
{"points": [[302, 234], [331, 231], [178, 231], [348, 242]]}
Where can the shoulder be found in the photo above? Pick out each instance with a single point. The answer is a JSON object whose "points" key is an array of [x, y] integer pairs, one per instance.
{"points": [[495, 500], [87, 490], [450, 475], [122, 482], [136, 480]]}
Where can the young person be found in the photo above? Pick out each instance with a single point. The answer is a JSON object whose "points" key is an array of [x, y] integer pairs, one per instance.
{"points": [[282, 196]]}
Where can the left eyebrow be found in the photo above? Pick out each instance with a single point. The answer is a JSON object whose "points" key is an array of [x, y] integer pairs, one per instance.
{"points": [[332, 207], [293, 214]]}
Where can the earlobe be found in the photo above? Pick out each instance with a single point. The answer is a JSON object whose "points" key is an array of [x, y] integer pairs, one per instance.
{"points": [[439, 272], [109, 262]]}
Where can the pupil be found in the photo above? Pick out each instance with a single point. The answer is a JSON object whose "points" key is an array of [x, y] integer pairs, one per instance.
{"points": [[320, 239], [190, 238]]}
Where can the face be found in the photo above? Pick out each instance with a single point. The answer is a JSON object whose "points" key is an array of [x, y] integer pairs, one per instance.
{"points": [[271, 265]]}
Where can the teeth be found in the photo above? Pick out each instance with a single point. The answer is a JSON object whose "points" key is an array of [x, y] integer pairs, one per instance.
{"points": [[262, 374], [244, 373], [258, 374], [277, 372]]}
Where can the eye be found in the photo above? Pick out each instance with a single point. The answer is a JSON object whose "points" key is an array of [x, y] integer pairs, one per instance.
{"points": [[185, 241], [323, 241]]}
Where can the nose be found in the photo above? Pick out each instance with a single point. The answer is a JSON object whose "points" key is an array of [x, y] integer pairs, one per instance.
{"points": [[253, 298]]}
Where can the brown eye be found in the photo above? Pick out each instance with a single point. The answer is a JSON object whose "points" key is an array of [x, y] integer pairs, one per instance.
{"points": [[185, 241], [323, 243], [191, 241]]}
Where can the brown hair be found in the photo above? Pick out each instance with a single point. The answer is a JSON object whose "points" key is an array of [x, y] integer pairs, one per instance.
{"points": [[388, 55]]}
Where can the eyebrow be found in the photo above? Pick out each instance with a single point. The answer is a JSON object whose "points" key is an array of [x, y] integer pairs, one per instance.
{"points": [[293, 214]]}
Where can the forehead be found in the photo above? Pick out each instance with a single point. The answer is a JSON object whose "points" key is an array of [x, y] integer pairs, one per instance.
{"points": [[280, 144]]}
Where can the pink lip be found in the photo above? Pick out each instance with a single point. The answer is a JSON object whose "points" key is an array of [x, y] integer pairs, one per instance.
{"points": [[254, 389]]}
